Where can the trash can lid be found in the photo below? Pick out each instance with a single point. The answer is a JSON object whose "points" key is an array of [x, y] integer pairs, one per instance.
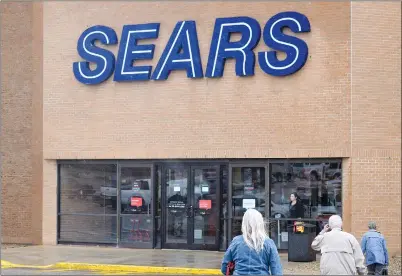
{"points": [[309, 225]]}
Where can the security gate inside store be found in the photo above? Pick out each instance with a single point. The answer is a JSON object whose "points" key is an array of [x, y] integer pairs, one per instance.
{"points": [[191, 196]]}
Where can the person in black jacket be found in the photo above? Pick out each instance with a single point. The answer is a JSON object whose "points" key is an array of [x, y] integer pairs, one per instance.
{"points": [[296, 208]]}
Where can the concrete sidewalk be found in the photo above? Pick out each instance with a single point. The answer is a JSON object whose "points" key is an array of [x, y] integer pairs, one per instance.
{"points": [[109, 260], [46, 255]]}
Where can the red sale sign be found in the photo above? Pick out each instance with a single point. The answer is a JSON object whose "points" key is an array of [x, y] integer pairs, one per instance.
{"points": [[205, 204], [136, 201]]}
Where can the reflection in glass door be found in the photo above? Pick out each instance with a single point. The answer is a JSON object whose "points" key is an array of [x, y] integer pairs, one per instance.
{"points": [[206, 207], [192, 213], [176, 186], [247, 191], [136, 222]]}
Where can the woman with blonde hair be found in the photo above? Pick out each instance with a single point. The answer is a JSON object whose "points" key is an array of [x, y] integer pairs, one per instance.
{"points": [[253, 252]]}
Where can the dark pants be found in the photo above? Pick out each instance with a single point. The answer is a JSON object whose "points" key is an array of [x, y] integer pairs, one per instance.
{"points": [[375, 269]]}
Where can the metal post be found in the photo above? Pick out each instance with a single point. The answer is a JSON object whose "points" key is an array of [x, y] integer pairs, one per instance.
{"points": [[118, 204]]}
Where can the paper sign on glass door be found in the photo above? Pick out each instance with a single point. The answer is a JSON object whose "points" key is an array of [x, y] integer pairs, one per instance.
{"points": [[205, 204], [136, 201], [284, 236], [248, 203], [176, 188], [197, 234]]}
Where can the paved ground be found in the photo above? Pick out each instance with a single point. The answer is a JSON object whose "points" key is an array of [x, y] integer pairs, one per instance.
{"points": [[21, 271], [41, 272], [49, 255]]}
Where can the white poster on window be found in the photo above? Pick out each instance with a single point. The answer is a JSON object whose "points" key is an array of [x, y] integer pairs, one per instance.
{"points": [[176, 188], [284, 236], [197, 234], [205, 189], [248, 203]]}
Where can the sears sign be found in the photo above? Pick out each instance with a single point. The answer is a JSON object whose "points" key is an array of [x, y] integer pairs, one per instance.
{"points": [[182, 50]]}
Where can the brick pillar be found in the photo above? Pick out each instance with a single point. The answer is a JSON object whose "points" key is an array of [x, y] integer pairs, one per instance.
{"points": [[376, 119]]}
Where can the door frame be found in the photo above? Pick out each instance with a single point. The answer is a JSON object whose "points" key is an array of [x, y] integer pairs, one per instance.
{"points": [[190, 199], [164, 204]]}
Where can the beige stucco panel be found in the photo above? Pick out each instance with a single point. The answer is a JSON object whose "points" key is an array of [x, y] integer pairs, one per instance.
{"points": [[306, 114]]}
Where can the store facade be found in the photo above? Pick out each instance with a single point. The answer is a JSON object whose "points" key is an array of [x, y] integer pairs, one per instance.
{"points": [[191, 112]]}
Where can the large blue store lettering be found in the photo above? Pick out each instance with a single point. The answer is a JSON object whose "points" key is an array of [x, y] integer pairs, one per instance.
{"points": [[103, 59], [181, 52], [242, 51], [296, 49], [129, 51]]}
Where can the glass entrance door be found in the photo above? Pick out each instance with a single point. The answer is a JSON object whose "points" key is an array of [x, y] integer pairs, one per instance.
{"points": [[135, 218], [192, 200], [247, 191], [176, 185], [205, 210]]}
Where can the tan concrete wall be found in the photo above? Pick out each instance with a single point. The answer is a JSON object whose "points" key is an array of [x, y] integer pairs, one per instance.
{"points": [[21, 122], [204, 118], [376, 119]]}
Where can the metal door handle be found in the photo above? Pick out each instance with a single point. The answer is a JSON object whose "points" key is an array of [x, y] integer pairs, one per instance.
{"points": [[190, 211]]}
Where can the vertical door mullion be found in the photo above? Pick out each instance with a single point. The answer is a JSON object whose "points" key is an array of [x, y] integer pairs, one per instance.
{"points": [[155, 182], [229, 204], [118, 204], [153, 205], [58, 201], [190, 199], [152, 213], [163, 206], [218, 205], [225, 206], [267, 189]]}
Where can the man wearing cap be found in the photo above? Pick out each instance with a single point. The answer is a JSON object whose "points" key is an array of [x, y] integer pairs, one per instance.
{"points": [[341, 252], [375, 249]]}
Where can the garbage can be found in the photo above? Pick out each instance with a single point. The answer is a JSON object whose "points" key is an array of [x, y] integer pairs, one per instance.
{"points": [[299, 246]]}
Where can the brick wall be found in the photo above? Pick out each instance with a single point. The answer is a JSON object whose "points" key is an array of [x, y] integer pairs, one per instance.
{"points": [[49, 218], [347, 194], [21, 120], [376, 119], [203, 118]]}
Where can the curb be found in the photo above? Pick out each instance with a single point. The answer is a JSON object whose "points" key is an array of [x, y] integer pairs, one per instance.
{"points": [[120, 269]]}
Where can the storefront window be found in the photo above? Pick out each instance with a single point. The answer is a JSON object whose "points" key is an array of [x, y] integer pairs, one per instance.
{"points": [[248, 191], [87, 203], [318, 186]]}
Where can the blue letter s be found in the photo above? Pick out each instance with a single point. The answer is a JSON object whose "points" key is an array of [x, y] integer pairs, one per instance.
{"points": [[104, 59], [296, 49]]}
